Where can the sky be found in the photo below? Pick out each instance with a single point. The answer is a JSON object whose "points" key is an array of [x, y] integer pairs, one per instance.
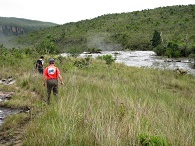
{"points": [[65, 11]]}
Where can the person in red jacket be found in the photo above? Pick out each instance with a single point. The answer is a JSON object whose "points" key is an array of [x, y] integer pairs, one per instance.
{"points": [[51, 75]]}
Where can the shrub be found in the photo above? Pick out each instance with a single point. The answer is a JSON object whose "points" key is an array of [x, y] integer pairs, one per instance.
{"points": [[82, 63], [159, 50], [146, 140], [108, 58]]}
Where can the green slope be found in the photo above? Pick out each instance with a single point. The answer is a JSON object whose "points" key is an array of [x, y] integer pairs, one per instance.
{"points": [[133, 30], [28, 25], [12, 27]]}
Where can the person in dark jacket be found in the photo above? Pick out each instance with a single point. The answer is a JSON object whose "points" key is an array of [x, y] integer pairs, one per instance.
{"points": [[39, 65]]}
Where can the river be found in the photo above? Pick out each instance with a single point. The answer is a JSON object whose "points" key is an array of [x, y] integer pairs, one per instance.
{"points": [[4, 96], [146, 59]]}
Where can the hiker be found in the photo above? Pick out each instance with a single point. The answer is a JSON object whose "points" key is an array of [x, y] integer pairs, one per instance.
{"points": [[39, 65], [51, 75]]}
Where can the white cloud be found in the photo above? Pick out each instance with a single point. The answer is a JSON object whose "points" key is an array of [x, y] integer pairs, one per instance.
{"points": [[63, 11]]}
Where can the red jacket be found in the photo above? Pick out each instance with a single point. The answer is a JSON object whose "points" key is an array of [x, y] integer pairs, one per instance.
{"points": [[51, 72]]}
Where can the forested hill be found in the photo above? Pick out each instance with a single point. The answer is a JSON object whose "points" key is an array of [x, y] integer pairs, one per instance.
{"points": [[11, 27], [18, 26], [133, 30]]}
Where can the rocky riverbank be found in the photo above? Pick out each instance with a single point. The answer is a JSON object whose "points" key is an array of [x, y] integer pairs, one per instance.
{"points": [[10, 134], [7, 81]]}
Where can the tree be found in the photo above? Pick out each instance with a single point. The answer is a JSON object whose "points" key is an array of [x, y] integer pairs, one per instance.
{"points": [[160, 50], [47, 45], [156, 40]]}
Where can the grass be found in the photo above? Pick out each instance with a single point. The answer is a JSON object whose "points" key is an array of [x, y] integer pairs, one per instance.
{"points": [[109, 105]]}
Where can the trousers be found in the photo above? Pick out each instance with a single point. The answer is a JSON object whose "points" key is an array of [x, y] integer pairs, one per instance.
{"points": [[52, 85]]}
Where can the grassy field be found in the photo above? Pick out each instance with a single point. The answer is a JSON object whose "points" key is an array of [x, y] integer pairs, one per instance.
{"points": [[103, 105]]}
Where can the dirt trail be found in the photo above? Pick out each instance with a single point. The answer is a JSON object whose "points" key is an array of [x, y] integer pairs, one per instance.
{"points": [[13, 137]]}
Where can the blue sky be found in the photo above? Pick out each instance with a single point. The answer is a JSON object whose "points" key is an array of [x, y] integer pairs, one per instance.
{"points": [[64, 11]]}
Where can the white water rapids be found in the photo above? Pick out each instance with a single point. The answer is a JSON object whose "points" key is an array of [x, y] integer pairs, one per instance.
{"points": [[145, 59]]}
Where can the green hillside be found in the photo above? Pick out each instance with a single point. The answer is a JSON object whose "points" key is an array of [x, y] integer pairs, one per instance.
{"points": [[26, 24], [11, 27], [132, 31]]}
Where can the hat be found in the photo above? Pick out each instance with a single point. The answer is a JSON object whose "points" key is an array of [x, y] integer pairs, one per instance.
{"points": [[51, 60]]}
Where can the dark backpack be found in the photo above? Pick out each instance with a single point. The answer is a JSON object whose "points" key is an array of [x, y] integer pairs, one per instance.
{"points": [[39, 64]]}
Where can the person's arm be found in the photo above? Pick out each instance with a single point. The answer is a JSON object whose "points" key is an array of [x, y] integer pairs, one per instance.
{"points": [[44, 81], [59, 76], [61, 80], [36, 66], [44, 78]]}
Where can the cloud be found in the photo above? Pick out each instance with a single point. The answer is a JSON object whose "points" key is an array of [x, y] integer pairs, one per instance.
{"points": [[63, 11]]}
